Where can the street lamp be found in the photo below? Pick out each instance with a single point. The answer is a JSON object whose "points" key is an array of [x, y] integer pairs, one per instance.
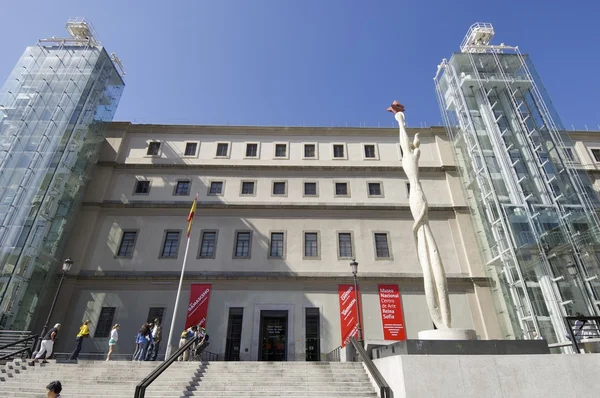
{"points": [[354, 266], [67, 264]]}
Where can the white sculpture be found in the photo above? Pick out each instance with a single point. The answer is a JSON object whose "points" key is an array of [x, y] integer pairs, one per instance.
{"points": [[434, 277]]}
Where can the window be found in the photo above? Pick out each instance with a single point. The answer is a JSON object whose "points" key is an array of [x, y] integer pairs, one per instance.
{"points": [[190, 148], [345, 245], [142, 187], [338, 151], [382, 249], [311, 244], [222, 150], [170, 244], [127, 244], [182, 188], [279, 188], [370, 151], [248, 187], [596, 153], [310, 151], [153, 148], [310, 189], [216, 188], [105, 322], [242, 244], [375, 189], [569, 154], [408, 189], [277, 245], [341, 189], [280, 150], [251, 150], [155, 313], [208, 244]]}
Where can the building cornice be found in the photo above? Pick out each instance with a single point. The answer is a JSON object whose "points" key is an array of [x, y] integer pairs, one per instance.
{"points": [[168, 276], [129, 127], [117, 204], [267, 167]]}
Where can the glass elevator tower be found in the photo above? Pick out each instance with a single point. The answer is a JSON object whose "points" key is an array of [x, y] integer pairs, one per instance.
{"points": [[534, 216], [52, 110]]}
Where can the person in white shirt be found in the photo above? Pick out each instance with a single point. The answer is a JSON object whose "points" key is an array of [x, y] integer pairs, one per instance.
{"points": [[114, 337]]}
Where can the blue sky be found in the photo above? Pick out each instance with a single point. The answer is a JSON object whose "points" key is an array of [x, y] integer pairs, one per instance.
{"points": [[311, 62]]}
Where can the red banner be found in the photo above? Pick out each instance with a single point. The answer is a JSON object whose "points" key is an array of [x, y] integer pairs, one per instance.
{"points": [[348, 318], [198, 306], [391, 313]]}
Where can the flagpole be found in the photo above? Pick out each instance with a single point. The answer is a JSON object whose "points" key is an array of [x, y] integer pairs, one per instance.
{"points": [[187, 247], [168, 352]]}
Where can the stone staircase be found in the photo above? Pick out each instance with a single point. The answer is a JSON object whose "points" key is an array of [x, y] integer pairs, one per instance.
{"points": [[117, 379], [282, 379]]}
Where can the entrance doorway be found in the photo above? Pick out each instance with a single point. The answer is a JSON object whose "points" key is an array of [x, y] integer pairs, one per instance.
{"points": [[273, 336], [234, 334]]}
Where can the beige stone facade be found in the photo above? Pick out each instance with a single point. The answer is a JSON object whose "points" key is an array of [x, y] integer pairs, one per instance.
{"points": [[269, 180]]}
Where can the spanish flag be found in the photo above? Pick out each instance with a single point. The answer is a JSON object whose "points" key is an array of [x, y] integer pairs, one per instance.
{"points": [[191, 216]]}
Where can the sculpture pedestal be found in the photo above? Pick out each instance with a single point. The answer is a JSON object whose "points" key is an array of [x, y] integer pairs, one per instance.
{"points": [[448, 334]]}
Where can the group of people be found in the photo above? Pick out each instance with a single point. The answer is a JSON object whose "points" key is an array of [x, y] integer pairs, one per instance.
{"points": [[197, 348], [147, 341]]}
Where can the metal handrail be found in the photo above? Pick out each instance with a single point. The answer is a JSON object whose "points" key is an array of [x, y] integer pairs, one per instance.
{"points": [[140, 389], [334, 355], [589, 329], [384, 389], [29, 350]]}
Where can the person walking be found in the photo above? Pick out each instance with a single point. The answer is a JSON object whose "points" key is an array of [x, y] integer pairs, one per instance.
{"points": [[53, 389], [84, 333], [142, 342], [114, 337], [47, 344], [155, 344]]}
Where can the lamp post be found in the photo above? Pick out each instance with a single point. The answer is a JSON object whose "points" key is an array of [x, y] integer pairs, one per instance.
{"points": [[354, 266], [67, 264]]}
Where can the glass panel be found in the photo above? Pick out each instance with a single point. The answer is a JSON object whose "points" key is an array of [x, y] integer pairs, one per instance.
{"points": [[381, 245], [311, 247], [310, 188], [190, 148], [341, 188], [207, 248], [171, 244], [104, 324], [276, 244], [242, 245], [309, 150], [280, 150], [279, 188], [345, 244]]}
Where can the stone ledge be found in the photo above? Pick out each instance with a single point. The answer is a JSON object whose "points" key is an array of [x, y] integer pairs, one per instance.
{"points": [[269, 167], [275, 205], [308, 276]]}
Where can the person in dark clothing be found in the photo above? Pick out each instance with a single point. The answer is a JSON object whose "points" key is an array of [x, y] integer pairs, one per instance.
{"points": [[53, 389], [84, 333], [47, 344]]}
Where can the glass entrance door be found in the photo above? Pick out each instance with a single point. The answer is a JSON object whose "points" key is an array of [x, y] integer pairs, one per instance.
{"points": [[273, 335]]}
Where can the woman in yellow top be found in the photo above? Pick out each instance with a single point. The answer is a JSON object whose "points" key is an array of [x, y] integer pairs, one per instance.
{"points": [[84, 332]]}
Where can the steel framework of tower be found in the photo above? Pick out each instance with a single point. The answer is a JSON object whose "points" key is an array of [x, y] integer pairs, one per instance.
{"points": [[534, 214], [52, 111]]}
